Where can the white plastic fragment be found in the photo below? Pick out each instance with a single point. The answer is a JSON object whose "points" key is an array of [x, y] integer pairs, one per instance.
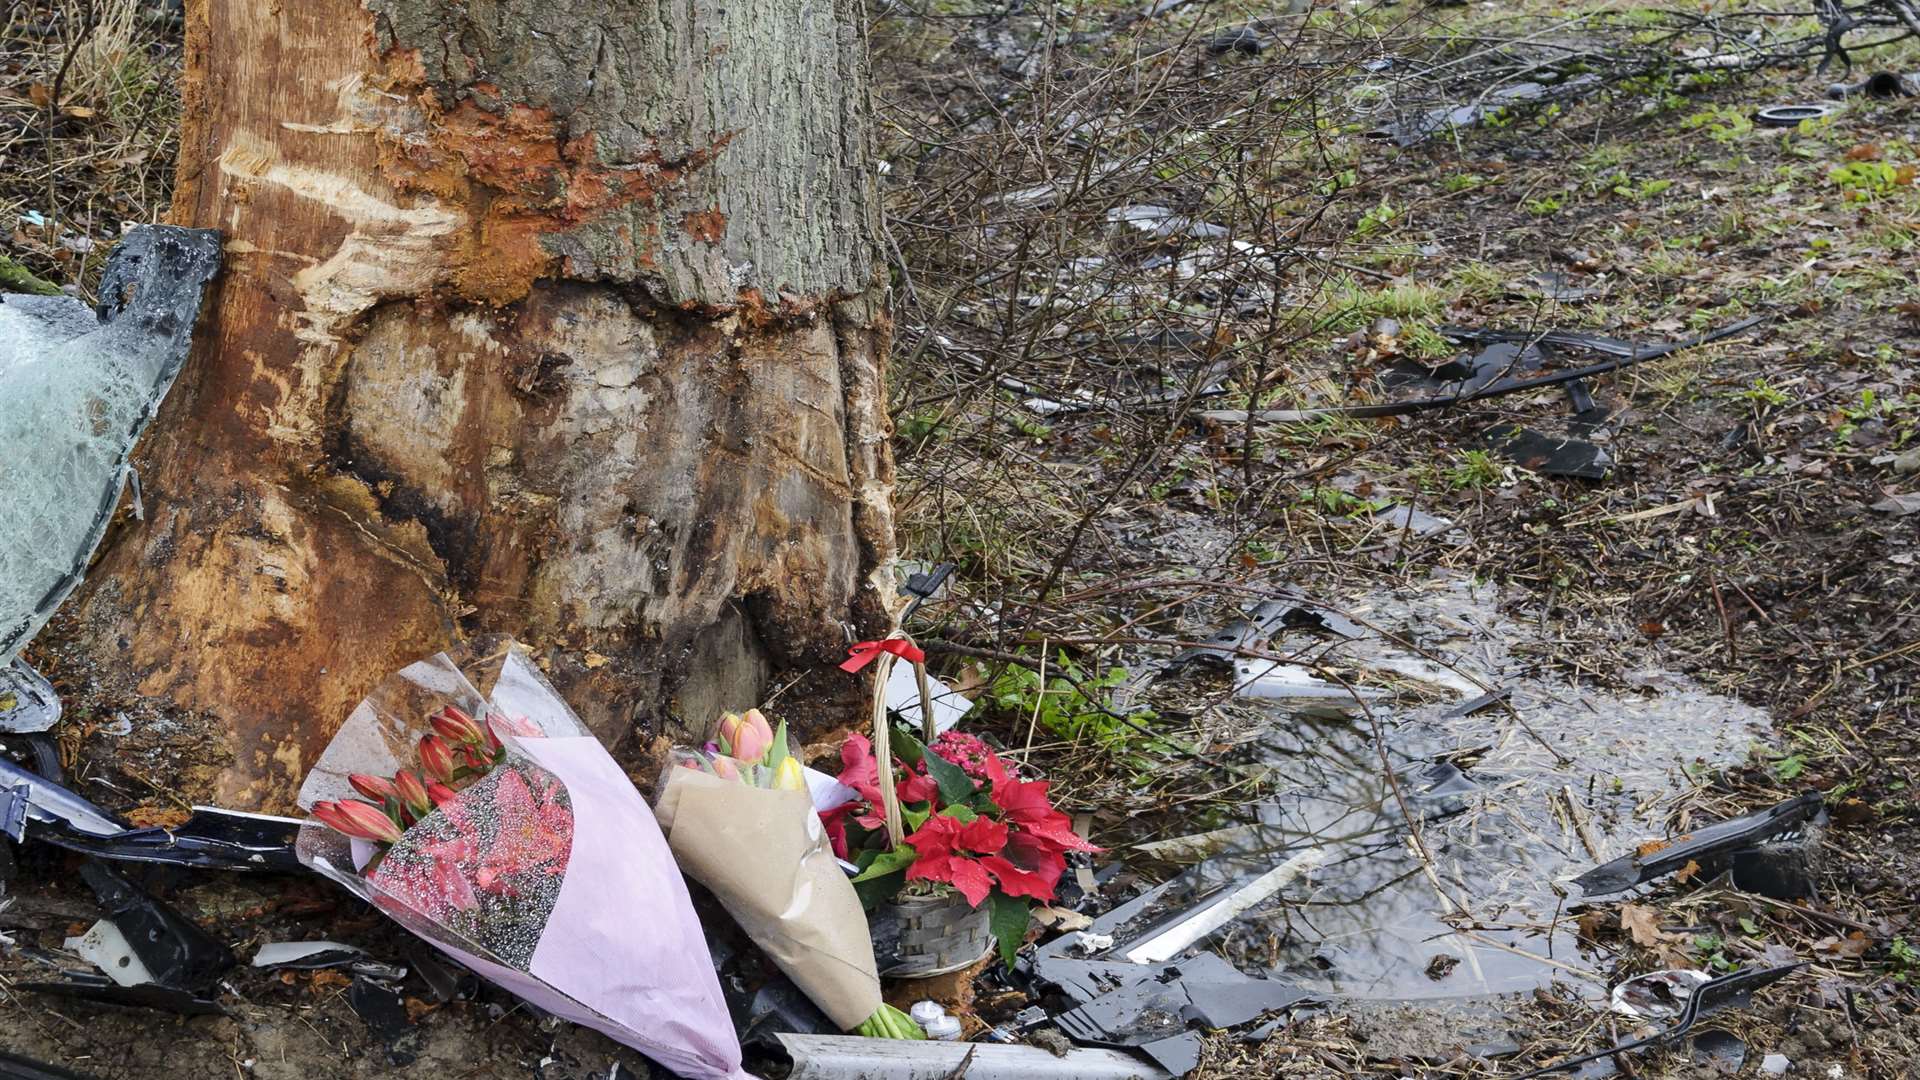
{"points": [[1775, 1065], [849, 1057], [105, 947], [1172, 941], [278, 953], [943, 1028], [1271, 679], [926, 1012], [1089, 944]]}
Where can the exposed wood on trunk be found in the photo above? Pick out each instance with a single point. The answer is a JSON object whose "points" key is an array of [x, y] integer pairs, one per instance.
{"points": [[559, 320]]}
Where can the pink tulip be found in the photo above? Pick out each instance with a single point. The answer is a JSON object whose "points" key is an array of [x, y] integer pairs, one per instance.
{"points": [[725, 767], [362, 821], [746, 737], [436, 759]]}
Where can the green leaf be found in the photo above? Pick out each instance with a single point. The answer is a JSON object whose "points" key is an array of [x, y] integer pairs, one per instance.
{"points": [[913, 819], [777, 753], [956, 787], [962, 814], [887, 862], [876, 891], [1009, 919]]}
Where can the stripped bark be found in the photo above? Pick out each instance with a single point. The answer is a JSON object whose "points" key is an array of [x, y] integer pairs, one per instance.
{"points": [[560, 320]]}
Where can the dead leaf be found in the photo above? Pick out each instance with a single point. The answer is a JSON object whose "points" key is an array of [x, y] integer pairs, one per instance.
{"points": [[329, 980], [1653, 628], [1686, 873], [77, 112], [1592, 923], [1899, 505], [1060, 918], [1865, 151], [1643, 925], [1851, 947], [1650, 847], [39, 94], [165, 817], [1852, 811], [594, 660]]}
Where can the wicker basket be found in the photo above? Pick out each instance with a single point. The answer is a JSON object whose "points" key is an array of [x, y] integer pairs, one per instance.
{"points": [[937, 935], [919, 936]]}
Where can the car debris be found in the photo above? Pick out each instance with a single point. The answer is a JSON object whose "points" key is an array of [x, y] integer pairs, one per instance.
{"points": [[320, 955], [1418, 129], [15, 1067], [1786, 116], [1505, 367], [1553, 456], [1485, 701], [1406, 519], [1552, 285], [1224, 646], [1117, 1002], [87, 986], [172, 950], [1657, 995], [1240, 39], [385, 1013], [846, 1057], [32, 805], [1722, 845], [77, 388], [28, 703], [1177, 938], [1730, 991], [1880, 84], [1274, 679]]}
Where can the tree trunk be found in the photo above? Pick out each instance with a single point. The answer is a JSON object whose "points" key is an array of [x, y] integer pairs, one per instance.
{"points": [[556, 319]]}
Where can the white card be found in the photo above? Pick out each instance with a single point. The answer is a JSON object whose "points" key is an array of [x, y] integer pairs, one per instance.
{"points": [[903, 698]]}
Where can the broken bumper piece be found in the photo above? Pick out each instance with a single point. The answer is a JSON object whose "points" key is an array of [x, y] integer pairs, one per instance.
{"points": [[1711, 846], [33, 806], [847, 1057]]}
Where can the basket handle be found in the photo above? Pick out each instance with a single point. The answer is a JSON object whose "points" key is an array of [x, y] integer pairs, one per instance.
{"points": [[883, 734]]}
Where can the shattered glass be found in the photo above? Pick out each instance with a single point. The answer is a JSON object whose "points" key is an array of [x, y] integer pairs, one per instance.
{"points": [[76, 390]]}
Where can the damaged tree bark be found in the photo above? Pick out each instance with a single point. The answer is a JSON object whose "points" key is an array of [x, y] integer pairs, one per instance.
{"points": [[556, 319]]}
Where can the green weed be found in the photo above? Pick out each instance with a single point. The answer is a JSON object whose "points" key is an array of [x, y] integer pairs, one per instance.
{"points": [[1072, 705], [1475, 469]]}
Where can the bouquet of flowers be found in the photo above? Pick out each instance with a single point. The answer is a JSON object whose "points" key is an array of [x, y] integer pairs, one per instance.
{"points": [[740, 820], [497, 828], [970, 824]]}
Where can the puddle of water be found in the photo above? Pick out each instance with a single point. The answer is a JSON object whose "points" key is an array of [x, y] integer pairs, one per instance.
{"points": [[1377, 921]]}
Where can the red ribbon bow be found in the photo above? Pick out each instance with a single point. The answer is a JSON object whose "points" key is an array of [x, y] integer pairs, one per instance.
{"points": [[861, 654]]}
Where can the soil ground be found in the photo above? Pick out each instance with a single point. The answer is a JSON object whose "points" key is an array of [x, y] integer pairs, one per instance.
{"points": [[1739, 538]]}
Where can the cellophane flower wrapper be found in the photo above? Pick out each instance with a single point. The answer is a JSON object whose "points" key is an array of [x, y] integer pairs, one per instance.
{"points": [[549, 876], [765, 856]]}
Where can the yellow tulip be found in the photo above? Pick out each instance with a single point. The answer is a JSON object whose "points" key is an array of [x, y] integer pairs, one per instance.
{"points": [[789, 776]]}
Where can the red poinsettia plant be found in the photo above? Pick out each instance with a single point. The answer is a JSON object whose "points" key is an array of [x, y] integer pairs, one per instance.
{"points": [[473, 839], [972, 825]]}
